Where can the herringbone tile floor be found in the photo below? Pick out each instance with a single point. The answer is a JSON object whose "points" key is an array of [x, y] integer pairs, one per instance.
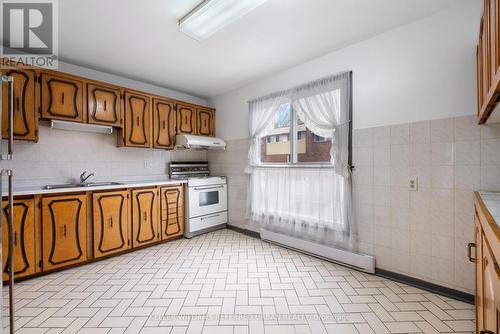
{"points": [[226, 282]]}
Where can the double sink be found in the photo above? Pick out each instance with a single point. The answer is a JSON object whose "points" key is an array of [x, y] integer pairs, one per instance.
{"points": [[81, 185]]}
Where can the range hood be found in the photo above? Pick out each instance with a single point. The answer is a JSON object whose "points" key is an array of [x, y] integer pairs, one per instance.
{"points": [[199, 142]]}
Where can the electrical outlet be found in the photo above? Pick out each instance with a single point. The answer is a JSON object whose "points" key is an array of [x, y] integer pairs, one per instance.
{"points": [[148, 163], [413, 183]]}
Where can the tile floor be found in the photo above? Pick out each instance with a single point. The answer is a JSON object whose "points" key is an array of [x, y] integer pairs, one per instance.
{"points": [[226, 282]]}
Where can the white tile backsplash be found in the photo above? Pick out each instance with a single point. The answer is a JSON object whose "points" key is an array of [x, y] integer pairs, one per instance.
{"points": [[61, 156]]}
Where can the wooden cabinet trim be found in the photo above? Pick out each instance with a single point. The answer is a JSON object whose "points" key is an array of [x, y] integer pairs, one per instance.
{"points": [[488, 224], [92, 104], [53, 227], [120, 210]]}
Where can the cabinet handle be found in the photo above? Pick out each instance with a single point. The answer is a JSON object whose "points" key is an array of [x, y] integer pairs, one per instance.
{"points": [[62, 98], [163, 125], [111, 222], [145, 215], [137, 121], [469, 251], [104, 105], [17, 103], [64, 230]]}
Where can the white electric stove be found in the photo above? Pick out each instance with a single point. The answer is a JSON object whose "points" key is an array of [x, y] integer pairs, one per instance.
{"points": [[206, 197]]}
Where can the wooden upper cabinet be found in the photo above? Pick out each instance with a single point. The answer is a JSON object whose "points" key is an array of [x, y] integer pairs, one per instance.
{"points": [[104, 105], [137, 120], [24, 238], [64, 233], [164, 123], [110, 222], [186, 118], [25, 115], [62, 97], [172, 211], [205, 122], [144, 216]]}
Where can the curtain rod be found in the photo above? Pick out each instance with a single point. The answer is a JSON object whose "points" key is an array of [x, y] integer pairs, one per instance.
{"points": [[285, 91]]}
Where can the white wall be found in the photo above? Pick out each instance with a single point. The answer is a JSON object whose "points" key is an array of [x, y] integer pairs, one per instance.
{"points": [[421, 71], [129, 83]]}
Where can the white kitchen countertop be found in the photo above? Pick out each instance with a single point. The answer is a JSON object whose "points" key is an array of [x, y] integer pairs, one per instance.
{"points": [[492, 202], [37, 189]]}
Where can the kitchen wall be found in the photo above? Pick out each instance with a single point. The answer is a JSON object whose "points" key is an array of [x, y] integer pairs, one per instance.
{"points": [[414, 101], [421, 71], [61, 156]]}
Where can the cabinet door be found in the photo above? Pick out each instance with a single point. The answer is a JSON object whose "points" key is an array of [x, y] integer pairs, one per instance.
{"points": [[104, 105], [186, 119], [137, 120], [491, 290], [205, 122], [164, 117], [172, 211], [63, 230], [25, 116], [24, 238], [62, 98], [479, 275], [110, 223], [145, 216]]}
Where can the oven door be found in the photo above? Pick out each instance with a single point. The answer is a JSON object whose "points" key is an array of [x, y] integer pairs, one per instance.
{"points": [[205, 200]]}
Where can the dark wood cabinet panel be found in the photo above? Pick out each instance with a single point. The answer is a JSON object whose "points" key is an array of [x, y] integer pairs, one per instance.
{"points": [[64, 224], [62, 97], [172, 211], [164, 123], [205, 122], [137, 120], [110, 223], [104, 105], [25, 115], [144, 216], [186, 119], [24, 238]]}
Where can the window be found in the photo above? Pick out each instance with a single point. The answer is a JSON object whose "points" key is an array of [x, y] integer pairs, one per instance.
{"points": [[306, 148], [318, 139]]}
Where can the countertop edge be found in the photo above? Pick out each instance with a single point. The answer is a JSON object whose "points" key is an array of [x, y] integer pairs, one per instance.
{"points": [[488, 224], [125, 185]]}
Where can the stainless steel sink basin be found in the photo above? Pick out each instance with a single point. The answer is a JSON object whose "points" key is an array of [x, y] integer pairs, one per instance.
{"points": [[80, 185]]}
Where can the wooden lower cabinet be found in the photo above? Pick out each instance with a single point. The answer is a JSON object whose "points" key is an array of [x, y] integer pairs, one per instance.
{"points": [[145, 216], [111, 224], [64, 225], [487, 258], [172, 211], [24, 238]]}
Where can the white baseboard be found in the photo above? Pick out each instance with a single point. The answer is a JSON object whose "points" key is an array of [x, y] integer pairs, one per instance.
{"points": [[359, 261]]}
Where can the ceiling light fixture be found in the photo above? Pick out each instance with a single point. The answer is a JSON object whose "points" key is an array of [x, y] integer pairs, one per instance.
{"points": [[212, 15], [81, 127]]}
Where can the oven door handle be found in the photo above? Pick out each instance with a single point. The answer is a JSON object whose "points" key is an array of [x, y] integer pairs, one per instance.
{"points": [[208, 188], [211, 216]]}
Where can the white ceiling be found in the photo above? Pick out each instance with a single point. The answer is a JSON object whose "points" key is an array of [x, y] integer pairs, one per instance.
{"points": [[139, 39]]}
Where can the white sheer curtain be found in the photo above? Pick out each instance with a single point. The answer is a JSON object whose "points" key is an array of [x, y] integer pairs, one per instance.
{"points": [[312, 203]]}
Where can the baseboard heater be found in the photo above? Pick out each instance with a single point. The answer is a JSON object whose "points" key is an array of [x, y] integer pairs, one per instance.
{"points": [[346, 258]]}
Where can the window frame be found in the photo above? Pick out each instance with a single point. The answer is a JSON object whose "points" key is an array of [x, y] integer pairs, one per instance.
{"points": [[293, 135]]}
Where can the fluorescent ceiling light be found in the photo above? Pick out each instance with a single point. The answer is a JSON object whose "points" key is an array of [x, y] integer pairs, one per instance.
{"points": [[72, 126], [212, 15]]}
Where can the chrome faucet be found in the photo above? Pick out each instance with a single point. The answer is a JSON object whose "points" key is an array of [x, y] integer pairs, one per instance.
{"points": [[84, 177]]}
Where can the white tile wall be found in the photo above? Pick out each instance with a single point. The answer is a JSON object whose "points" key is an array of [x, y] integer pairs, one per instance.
{"points": [[423, 233], [61, 156], [420, 233]]}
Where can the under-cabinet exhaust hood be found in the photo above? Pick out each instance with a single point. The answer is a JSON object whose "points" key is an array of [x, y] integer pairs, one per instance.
{"points": [[184, 141]]}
